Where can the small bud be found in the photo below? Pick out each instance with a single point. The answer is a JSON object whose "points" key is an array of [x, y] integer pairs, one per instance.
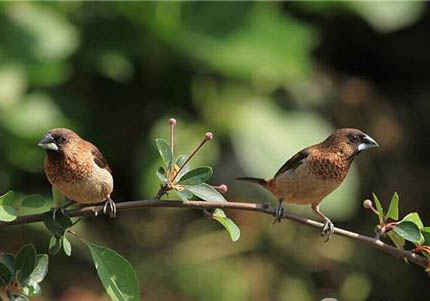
{"points": [[222, 188], [172, 121], [367, 204], [209, 136]]}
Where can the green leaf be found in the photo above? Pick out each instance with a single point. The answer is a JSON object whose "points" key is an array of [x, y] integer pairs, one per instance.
{"points": [[41, 269], [196, 176], [179, 162], [7, 211], [184, 195], [58, 226], [55, 245], [5, 274], [393, 210], [398, 241], [67, 246], [33, 201], [15, 297], [415, 218], [165, 152], [116, 273], [161, 174], [32, 289], [408, 231], [205, 192], [228, 224], [25, 262], [426, 233], [379, 209]]}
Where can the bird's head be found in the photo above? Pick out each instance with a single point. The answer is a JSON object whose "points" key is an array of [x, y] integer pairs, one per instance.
{"points": [[57, 140], [350, 141]]}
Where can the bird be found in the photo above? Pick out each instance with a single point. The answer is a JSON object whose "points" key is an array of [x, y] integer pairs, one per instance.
{"points": [[315, 172], [77, 169]]}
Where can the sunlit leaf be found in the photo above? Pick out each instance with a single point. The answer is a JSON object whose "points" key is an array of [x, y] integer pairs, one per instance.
{"points": [[196, 176], [398, 241], [379, 209], [67, 246], [408, 231], [7, 211], [32, 289], [116, 274], [55, 245], [205, 192], [415, 218], [393, 210], [164, 151], [227, 223], [41, 269], [184, 195]]}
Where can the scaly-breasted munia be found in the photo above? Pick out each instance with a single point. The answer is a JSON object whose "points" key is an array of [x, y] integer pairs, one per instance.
{"points": [[316, 171], [77, 169]]}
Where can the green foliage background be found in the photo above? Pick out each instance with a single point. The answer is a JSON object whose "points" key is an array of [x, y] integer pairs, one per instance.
{"points": [[267, 79]]}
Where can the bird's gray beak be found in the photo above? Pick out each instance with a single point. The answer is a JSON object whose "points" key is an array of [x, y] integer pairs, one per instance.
{"points": [[368, 143], [48, 143]]}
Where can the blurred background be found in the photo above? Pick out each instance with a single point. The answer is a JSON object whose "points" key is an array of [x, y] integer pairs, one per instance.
{"points": [[268, 79]]}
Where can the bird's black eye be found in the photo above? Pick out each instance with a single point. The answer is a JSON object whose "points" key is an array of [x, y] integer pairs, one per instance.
{"points": [[60, 139], [354, 138]]}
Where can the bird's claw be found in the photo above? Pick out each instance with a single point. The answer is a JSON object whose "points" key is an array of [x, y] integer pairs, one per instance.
{"points": [[279, 214], [327, 230], [109, 208], [55, 210]]}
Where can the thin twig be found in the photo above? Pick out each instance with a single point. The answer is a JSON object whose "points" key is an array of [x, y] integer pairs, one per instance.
{"points": [[259, 207]]}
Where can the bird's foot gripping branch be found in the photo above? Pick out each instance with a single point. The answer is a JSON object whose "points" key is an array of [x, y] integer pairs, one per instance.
{"points": [[177, 176]]}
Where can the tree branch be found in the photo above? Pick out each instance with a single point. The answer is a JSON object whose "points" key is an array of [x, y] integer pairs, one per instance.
{"points": [[259, 207]]}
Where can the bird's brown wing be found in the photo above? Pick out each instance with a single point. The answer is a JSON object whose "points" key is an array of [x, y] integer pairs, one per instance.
{"points": [[295, 161], [99, 159]]}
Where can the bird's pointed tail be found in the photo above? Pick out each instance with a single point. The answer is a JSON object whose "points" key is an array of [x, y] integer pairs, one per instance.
{"points": [[262, 182]]}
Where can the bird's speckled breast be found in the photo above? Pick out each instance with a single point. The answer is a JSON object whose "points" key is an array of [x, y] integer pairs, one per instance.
{"points": [[312, 180], [79, 180]]}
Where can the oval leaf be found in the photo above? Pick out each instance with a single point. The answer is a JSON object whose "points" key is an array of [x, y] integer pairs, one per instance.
{"points": [[161, 174], [33, 201], [67, 246], [196, 176], [58, 226], [205, 192], [25, 261], [184, 195], [116, 273], [40, 270], [408, 231], [55, 245], [415, 218], [7, 211], [5, 274], [165, 152], [393, 210], [9, 260], [227, 223]]}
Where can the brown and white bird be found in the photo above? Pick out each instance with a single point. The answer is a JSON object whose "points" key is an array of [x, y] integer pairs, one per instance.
{"points": [[77, 169], [316, 171]]}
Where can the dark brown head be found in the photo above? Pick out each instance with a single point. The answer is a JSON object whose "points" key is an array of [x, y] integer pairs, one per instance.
{"points": [[57, 140], [350, 142]]}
